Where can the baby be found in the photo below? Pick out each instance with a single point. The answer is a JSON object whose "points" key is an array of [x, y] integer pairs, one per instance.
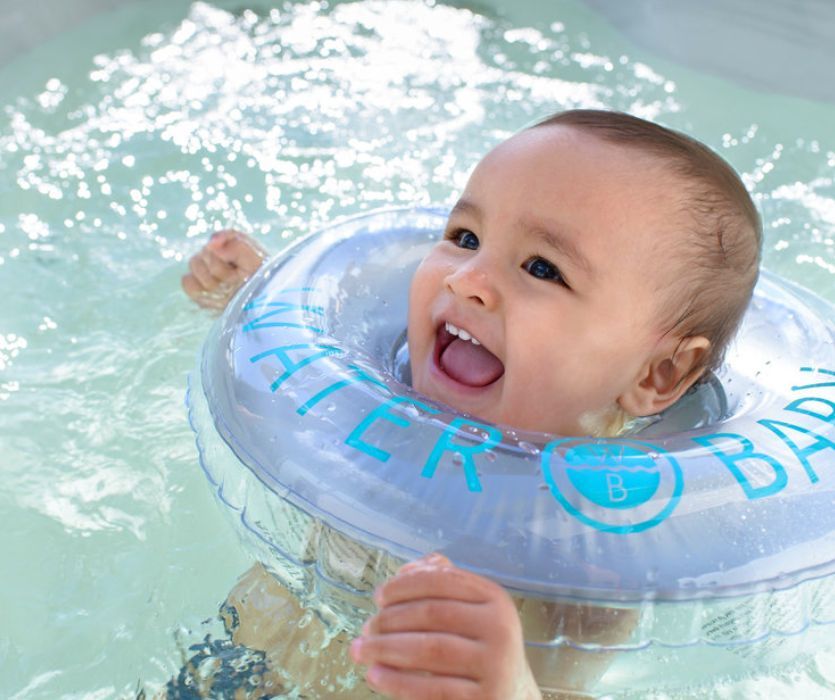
{"points": [[603, 264]]}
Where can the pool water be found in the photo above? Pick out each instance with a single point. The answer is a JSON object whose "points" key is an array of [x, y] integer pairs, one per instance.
{"points": [[127, 140]]}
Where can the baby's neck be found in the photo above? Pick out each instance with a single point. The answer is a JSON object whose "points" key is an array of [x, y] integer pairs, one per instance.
{"points": [[607, 422]]}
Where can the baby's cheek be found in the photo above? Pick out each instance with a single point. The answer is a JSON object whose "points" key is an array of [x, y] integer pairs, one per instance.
{"points": [[423, 387]]}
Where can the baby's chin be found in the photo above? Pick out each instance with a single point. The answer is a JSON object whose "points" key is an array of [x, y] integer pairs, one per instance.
{"points": [[603, 423], [431, 392], [489, 414]]}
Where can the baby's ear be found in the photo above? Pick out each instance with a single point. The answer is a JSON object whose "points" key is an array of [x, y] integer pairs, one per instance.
{"points": [[670, 372]]}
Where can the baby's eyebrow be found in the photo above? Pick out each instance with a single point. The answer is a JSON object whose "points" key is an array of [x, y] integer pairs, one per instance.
{"points": [[465, 206], [560, 243]]}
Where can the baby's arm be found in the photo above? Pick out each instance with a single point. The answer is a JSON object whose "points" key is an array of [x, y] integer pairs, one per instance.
{"points": [[442, 632], [218, 270]]}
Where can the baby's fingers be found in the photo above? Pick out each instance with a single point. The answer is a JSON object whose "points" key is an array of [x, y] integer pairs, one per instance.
{"points": [[207, 286], [237, 250], [432, 559], [445, 654], [192, 287], [429, 615], [436, 582], [219, 268], [407, 685], [199, 269]]}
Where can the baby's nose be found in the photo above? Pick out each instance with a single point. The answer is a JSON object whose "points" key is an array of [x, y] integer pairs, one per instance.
{"points": [[475, 283]]}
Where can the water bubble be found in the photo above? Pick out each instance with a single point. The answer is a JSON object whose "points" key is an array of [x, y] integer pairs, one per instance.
{"points": [[529, 447], [304, 621]]}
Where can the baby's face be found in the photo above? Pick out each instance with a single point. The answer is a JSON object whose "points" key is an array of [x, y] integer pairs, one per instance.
{"points": [[540, 305]]}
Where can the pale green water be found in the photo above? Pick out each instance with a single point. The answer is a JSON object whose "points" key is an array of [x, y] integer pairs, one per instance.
{"points": [[126, 141]]}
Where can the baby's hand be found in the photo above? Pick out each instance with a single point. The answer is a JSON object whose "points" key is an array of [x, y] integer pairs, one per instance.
{"points": [[442, 632], [218, 270]]}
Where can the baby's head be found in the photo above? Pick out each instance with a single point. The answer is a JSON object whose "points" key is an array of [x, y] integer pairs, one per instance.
{"points": [[595, 266]]}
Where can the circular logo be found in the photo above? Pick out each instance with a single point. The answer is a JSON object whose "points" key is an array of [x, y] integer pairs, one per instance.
{"points": [[619, 486]]}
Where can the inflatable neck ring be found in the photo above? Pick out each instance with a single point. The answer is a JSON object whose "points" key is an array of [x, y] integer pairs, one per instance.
{"points": [[715, 524]]}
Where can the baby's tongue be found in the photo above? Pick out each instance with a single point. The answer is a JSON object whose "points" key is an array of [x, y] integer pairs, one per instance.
{"points": [[470, 364]]}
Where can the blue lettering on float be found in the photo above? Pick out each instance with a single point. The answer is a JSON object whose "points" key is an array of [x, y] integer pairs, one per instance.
{"points": [[290, 365], [382, 412], [799, 406], [747, 453], [360, 376], [444, 444], [282, 307], [820, 385], [610, 474], [820, 443], [615, 476], [616, 489]]}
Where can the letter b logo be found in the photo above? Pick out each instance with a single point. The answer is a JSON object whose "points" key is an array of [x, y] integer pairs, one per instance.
{"points": [[616, 491], [613, 485]]}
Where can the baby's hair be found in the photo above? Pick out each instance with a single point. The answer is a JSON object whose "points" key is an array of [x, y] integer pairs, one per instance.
{"points": [[721, 262]]}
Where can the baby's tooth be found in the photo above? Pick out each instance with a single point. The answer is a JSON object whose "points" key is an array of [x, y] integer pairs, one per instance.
{"points": [[460, 332]]}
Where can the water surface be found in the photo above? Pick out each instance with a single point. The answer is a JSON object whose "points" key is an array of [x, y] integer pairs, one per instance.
{"points": [[126, 141]]}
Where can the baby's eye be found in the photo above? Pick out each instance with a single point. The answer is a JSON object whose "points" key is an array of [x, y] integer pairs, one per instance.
{"points": [[542, 269], [463, 238]]}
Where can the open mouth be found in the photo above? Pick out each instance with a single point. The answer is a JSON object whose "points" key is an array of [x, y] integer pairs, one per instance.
{"points": [[463, 358]]}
